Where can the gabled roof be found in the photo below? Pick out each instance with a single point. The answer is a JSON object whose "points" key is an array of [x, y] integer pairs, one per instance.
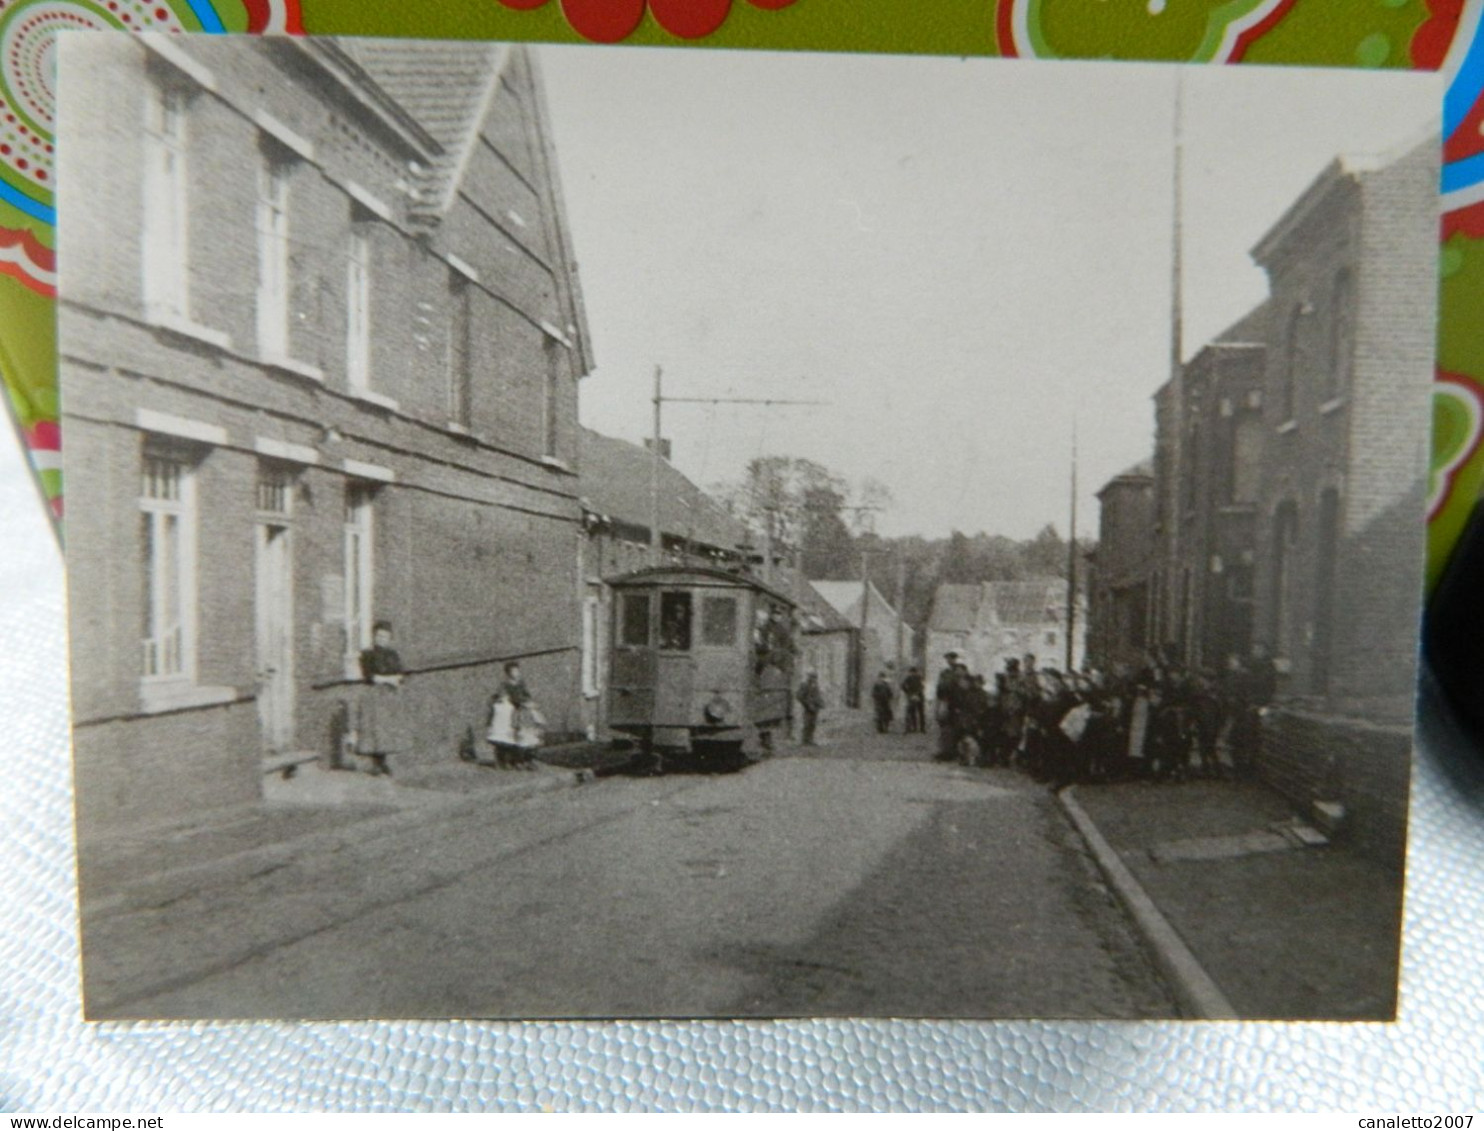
{"points": [[1250, 329], [1139, 473], [817, 614], [1036, 601], [1339, 173], [963, 608], [614, 481], [842, 595], [955, 608], [845, 597], [446, 91]]}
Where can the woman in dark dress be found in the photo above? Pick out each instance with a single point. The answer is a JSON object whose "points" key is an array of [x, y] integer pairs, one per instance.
{"points": [[380, 730]]}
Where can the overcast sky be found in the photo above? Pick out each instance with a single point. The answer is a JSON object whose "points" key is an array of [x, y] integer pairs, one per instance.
{"points": [[957, 255]]}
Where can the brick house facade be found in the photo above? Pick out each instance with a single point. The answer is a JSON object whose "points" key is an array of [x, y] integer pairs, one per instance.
{"points": [[1352, 269], [1204, 535], [1293, 517], [1289, 509], [1121, 575], [319, 369]]}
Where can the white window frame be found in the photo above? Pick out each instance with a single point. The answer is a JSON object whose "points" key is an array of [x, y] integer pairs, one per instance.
{"points": [[275, 173], [591, 620], [166, 221], [360, 571], [551, 401], [168, 646], [460, 351], [358, 307]]}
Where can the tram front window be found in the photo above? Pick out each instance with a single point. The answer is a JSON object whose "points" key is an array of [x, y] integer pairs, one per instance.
{"points": [[675, 622], [635, 630], [719, 621]]}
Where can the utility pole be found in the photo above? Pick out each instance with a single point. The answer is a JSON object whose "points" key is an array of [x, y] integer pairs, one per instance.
{"points": [[901, 605], [770, 509], [655, 546], [865, 618], [1169, 611], [1072, 559], [799, 581]]}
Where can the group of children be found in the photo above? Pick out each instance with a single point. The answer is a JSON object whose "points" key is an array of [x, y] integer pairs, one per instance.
{"points": [[1162, 722]]}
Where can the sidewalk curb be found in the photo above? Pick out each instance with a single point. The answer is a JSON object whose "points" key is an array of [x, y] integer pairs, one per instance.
{"points": [[235, 867], [1199, 996]]}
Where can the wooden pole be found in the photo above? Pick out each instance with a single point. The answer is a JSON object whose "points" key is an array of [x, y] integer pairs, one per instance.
{"points": [[901, 603], [1072, 560], [656, 547], [865, 618]]}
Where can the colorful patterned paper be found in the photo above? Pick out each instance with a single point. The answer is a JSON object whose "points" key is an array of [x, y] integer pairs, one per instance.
{"points": [[1417, 34]]}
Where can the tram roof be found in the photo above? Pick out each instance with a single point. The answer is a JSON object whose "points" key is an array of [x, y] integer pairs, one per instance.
{"points": [[694, 575]]}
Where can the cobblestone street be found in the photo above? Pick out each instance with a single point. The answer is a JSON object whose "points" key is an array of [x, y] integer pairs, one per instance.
{"points": [[860, 879]]}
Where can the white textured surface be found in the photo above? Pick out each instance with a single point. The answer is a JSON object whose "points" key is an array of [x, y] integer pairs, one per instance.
{"points": [[51, 1061]]}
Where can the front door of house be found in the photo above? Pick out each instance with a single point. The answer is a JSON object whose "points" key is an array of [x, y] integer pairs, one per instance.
{"points": [[275, 636]]}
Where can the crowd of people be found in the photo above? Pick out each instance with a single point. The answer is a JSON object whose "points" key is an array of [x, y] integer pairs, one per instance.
{"points": [[1161, 721]]}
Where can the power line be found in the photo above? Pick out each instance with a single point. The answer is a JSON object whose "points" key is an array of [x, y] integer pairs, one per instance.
{"points": [[660, 400]]}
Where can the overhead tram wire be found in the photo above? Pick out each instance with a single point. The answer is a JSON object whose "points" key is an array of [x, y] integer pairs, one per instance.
{"points": [[655, 537]]}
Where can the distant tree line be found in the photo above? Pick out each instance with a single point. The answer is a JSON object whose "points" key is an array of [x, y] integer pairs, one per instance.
{"points": [[829, 522]]}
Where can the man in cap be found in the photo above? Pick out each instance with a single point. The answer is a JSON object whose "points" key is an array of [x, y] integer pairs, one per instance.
{"points": [[811, 698], [915, 693], [948, 693]]}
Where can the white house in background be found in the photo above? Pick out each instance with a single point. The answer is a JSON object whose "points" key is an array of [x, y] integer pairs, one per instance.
{"points": [[992, 622], [884, 636]]}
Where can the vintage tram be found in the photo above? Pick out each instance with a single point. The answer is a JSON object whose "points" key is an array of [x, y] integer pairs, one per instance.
{"points": [[700, 668]]}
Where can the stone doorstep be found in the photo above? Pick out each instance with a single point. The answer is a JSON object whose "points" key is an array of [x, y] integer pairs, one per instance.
{"points": [[176, 883], [1282, 837]]}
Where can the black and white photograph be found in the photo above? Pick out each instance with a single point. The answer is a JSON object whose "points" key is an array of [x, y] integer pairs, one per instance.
{"points": [[580, 532]]}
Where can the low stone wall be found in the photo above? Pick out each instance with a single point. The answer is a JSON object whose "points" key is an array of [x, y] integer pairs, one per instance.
{"points": [[1366, 767]]}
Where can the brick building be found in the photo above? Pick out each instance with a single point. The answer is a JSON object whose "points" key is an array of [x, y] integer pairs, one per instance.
{"points": [[1289, 455], [1205, 519], [1352, 269], [1289, 477], [1121, 574], [320, 368], [1341, 502]]}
